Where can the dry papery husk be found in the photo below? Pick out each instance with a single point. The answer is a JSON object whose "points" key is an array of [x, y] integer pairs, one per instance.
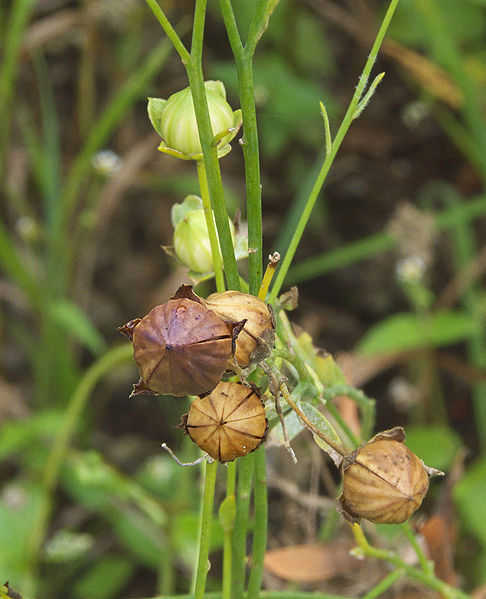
{"points": [[228, 423], [181, 347], [257, 337], [383, 481]]}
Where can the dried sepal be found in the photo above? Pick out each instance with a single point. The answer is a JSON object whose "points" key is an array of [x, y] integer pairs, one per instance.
{"points": [[228, 423]]}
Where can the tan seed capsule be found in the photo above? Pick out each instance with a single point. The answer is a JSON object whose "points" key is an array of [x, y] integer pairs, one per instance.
{"points": [[181, 348], [257, 336], [228, 423], [384, 481]]}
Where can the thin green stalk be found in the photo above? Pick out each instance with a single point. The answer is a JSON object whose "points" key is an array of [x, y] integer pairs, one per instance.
{"points": [[384, 584], [228, 532], [245, 477], [425, 564], [268, 595], [261, 525], [170, 31], [231, 478], [249, 142], [18, 21], [426, 578], [209, 474], [76, 405], [213, 235], [258, 24], [213, 172], [346, 123], [227, 564]]}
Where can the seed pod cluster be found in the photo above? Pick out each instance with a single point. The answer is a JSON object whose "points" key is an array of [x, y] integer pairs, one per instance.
{"points": [[228, 423], [256, 338], [180, 347], [384, 481]]}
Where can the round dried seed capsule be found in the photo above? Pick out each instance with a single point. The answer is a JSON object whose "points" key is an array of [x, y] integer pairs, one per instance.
{"points": [[181, 348], [228, 423], [256, 339], [383, 482]]}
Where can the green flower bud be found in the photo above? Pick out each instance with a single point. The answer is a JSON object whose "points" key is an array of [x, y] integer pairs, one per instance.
{"points": [[175, 121], [191, 239]]}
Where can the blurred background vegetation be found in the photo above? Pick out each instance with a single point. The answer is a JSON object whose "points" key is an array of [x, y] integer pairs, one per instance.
{"points": [[390, 275]]}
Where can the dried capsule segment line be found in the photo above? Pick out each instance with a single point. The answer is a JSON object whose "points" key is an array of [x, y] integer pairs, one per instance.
{"points": [[228, 423], [237, 407]]}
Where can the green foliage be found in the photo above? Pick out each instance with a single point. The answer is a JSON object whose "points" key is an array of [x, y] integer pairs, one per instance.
{"points": [[104, 580], [20, 504], [405, 332], [436, 445], [17, 435], [77, 324], [465, 20], [469, 494]]}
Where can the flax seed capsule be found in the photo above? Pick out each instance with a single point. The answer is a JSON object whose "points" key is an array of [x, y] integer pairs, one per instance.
{"points": [[228, 423], [384, 481]]}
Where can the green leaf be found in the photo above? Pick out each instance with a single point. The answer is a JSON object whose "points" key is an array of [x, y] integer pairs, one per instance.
{"points": [[138, 534], [20, 504], [76, 323], [435, 445], [15, 435], [403, 332], [98, 486], [106, 579], [469, 494]]}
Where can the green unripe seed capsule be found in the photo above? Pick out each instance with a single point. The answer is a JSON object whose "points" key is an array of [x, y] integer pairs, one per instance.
{"points": [[191, 242], [174, 120]]}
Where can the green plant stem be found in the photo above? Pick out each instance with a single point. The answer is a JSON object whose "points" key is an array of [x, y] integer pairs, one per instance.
{"points": [[213, 235], [19, 18], [57, 454], [170, 31], [267, 595], [346, 123], [249, 142], [209, 474], [231, 478], [384, 584], [427, 578], [228, 534], [210, 153], [261, 525], [258, 24], [426, 566], [245, 477]]}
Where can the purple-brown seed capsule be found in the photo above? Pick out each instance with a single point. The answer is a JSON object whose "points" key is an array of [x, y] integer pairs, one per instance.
{"points": [[180, 347]]}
